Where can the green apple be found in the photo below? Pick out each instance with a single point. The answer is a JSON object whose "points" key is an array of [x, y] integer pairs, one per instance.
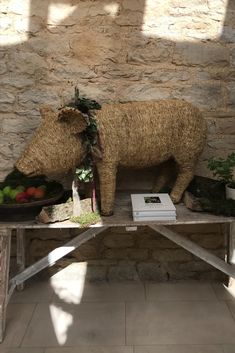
{"points": [[7, 191], [13, 193], [20, 188]]}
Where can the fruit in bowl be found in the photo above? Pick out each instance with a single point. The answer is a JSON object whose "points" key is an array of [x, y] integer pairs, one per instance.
{"points": [[22, 198], [20, 194], [19, 189]]}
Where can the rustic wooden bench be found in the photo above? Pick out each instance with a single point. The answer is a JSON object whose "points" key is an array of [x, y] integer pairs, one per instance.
{"points": [[122, 217]]}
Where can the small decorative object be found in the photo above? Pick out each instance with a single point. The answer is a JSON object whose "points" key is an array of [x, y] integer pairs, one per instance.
{"points": [[87, 219], [134, 134], [208, 195], [63, 211], [22, 198], [224, 170], [152, 207]]}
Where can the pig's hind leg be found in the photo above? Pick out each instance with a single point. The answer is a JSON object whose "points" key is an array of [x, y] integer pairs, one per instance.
{"points": [[185, 175], [165, 175]]}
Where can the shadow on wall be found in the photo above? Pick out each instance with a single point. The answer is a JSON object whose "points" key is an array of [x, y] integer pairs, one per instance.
{"points": [[136, 50]]}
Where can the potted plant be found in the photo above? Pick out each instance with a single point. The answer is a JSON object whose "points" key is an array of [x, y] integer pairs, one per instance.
{"points": [[224, 171]]}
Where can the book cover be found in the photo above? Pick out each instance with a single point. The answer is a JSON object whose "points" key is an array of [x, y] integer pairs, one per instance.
{"points": [[152, 202]]}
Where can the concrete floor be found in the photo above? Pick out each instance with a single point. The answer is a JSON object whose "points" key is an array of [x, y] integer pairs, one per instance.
{"points": [[68, 315]]}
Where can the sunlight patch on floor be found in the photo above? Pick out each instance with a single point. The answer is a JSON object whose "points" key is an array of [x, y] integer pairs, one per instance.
{"points": [[68, 284], [61, 321]]}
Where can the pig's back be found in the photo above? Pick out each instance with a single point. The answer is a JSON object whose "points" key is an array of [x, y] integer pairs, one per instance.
{"points": [[146, 133]]}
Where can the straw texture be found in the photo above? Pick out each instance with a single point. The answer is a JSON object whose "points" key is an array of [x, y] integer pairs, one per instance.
{"points": [[135, 134]]}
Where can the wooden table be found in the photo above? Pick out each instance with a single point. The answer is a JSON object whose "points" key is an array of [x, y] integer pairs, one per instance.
{"points": [[122, 217]]}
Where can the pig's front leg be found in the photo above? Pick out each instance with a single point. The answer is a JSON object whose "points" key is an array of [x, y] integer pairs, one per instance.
{"points": [[107, 177]]}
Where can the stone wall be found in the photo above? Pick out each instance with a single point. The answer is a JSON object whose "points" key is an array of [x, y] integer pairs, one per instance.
{"points": [[119, 51], [116, 51]]}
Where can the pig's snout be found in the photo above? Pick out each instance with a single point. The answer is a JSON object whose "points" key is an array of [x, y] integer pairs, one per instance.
{"points": [[29, 167]]}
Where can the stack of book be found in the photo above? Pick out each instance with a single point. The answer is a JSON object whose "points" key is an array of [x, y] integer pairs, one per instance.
{"points": [[152, 207]]}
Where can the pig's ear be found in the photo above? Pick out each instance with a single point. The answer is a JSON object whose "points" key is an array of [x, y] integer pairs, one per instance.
{"points": [[74, 120], [47, 112]]}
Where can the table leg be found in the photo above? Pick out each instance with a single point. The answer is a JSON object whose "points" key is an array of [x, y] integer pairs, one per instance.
{"points": [[231, 255], [5, 250], [20, 253], [231, 249]]}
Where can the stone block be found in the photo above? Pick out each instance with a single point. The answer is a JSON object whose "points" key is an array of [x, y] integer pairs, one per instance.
{"points": [[123, 272], [126, 254], [203, 54], [129, 18], [233, 57], [231, 94], [17, 80], [228, 35], [225, 143], [25, 63], [70, 67], [119, 240], [226, 126], [151, 53], [47, 45], [61, 235], [3, 68], [164, 75], [131, 5], [206, 96], [103, 262], [212, 275], [36, 96], [92, 47], [209, 241], [6, 97], [19, 124], [143, 91], [39, 248], [195, 266], [96, 273], [197, 228], [156, 242], [189, 270], [122, 71], [169, 255], [6, 108], [86, 252], [152, 271]]}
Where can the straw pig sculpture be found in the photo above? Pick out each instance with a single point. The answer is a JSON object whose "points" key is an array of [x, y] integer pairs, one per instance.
{"points": [[135, 134]]}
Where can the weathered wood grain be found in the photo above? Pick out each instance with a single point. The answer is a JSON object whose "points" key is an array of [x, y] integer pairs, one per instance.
{"points": [[5, 248]]}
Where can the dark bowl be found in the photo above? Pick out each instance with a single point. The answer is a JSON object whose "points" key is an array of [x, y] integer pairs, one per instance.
{"points": [[15, 212]]}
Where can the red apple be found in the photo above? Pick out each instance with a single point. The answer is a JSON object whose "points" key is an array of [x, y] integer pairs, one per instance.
{"points": [[31, 191], [39, 193], [21, 196]]}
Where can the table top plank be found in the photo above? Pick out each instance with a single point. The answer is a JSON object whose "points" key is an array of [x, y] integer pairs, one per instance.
{"points": [[123, 217]]}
